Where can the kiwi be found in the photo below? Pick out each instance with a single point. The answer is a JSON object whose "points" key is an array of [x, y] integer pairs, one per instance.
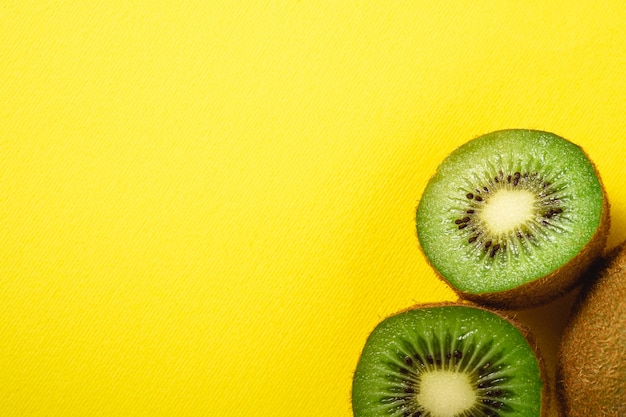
{"points": [[513, 218], [591, 372], [449, 360]]}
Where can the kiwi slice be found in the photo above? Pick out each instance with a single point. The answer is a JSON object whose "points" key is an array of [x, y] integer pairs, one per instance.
{"points": [[591, 369], [513, 218], [449, 360]]}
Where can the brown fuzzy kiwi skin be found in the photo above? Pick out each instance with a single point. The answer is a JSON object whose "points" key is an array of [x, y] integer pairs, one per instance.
{"points": [[591, 371], [546, 390], [549, 287]]}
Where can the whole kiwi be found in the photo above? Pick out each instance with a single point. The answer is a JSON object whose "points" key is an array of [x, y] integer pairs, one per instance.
{"points": [[591, 374]]}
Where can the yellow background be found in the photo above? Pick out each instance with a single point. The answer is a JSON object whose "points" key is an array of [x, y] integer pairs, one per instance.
{"points": [[205, 207]]}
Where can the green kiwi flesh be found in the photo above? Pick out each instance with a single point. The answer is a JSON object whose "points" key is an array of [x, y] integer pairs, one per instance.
{"points": [[449, 360], [591, 373], [512, 208]]}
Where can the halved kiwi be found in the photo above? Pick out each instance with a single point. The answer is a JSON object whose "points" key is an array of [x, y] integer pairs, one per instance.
{"points": [[449, 360], [592, 359], [513, 218]]}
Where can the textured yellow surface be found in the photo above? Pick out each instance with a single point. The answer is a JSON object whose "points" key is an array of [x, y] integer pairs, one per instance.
{"points": [[205, 207]]}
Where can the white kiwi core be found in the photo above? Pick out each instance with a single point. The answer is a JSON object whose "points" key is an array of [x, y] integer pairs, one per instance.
{"points": [[446, 393], [507, 210]]}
